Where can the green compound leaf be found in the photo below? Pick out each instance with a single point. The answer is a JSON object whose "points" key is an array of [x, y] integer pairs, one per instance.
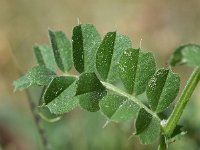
{"points": [[90, 91], [118, 108], [109, 53], [115, 62], [136, 68], [38, 75], [85, 41], [44, 56], [62, 49], [147, 127], [186, 54], [162, 89]]}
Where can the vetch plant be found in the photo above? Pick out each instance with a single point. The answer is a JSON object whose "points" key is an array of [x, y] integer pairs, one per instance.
{"points": [[112, 77]]}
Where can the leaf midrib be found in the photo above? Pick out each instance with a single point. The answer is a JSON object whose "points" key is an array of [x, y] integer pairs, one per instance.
{"points": [[160, 94], [122, 93], [136, 71], [134, 99], [111, 60]]}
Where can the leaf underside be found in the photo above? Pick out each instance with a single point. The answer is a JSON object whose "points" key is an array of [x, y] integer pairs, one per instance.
{"points": [[62, 50], [162, 89], [44, 56], [85, 42], [136, 68], [118, 108], [109, 53], [38, 75], [186, 54]]}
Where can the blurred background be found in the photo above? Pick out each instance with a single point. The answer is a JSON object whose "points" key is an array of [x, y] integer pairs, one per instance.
{"points": [[162, 25]]}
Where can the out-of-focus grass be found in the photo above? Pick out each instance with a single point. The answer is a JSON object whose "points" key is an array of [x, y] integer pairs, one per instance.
{"points": [[78, 130], [161, 24]]}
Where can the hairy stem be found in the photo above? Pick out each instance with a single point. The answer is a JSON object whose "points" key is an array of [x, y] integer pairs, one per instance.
{"points": [[38, 123], [183, 100]]}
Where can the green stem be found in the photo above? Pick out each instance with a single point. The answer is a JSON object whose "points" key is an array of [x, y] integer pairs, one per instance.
{"points": [[181, 104]]}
